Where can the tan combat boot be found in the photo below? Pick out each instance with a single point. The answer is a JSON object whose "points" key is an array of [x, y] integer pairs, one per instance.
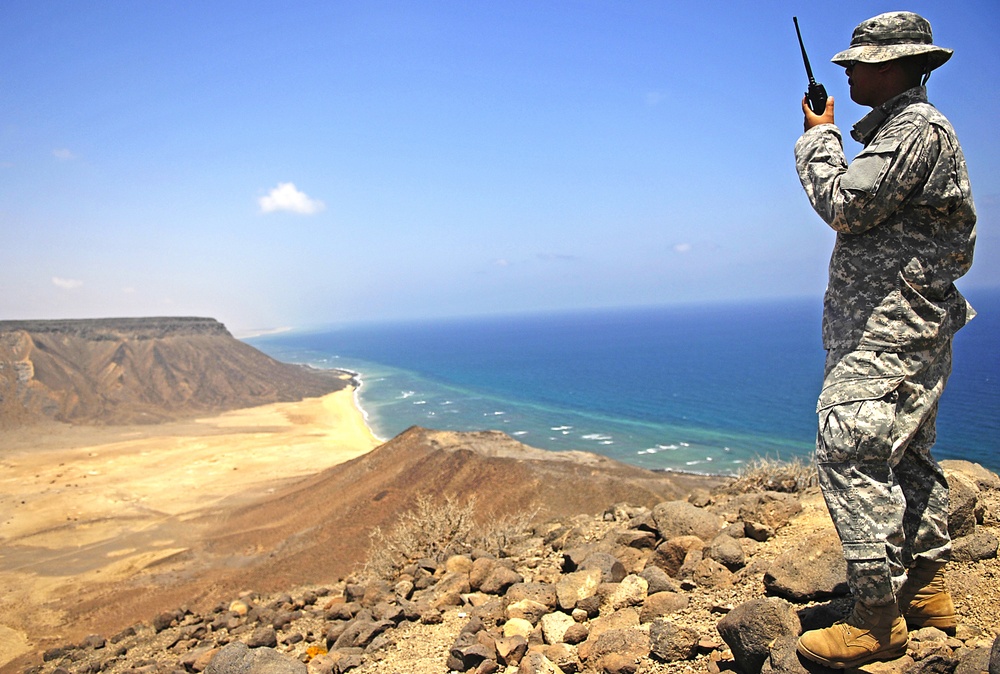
{"points": [[924, 601], [869, 633]]}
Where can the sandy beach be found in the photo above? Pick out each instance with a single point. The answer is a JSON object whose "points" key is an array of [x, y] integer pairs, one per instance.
{"points": [[82, 507]]}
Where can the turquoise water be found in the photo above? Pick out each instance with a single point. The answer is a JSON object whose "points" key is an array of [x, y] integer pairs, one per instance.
{"points": [[701, 389]]}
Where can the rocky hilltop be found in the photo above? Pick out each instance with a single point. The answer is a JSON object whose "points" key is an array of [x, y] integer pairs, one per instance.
{"points": [[139, 370], [723, 580]]}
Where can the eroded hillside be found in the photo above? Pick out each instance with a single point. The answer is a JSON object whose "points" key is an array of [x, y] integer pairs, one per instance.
{"points": [[139, 370]]}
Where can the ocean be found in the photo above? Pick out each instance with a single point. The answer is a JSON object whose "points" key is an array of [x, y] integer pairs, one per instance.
{"points": [[689, 388]]}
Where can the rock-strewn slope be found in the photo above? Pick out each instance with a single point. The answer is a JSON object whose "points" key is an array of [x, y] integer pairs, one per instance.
{"points": [[711, 583], [317, 529], [139, 370]]}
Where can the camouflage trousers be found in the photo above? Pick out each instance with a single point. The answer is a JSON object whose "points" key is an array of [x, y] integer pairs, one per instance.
{"points": [[887, 496]]}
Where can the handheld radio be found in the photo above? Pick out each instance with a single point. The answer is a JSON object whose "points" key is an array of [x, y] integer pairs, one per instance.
{"points": [[817, 93]]}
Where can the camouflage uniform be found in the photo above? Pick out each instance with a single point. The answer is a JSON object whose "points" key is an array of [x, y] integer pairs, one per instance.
{"points": [[905, 224]]}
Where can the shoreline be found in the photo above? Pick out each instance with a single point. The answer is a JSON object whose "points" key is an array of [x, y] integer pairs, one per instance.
{"points": [[357, 378], [311, 359], [83, 507], [357, 382]]}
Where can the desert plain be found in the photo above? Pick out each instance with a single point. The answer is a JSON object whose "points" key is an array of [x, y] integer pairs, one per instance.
{"points": [[82, 507]]}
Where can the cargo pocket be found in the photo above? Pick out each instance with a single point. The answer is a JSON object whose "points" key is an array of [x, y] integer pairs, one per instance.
{"points": [[854, 444], [856, 419]]}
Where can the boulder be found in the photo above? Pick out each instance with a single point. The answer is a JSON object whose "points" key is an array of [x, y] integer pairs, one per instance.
{"points": [[499, 580], [453, 583], [612, 570], [750, 628], [537, 663], [510, 650], [576, 633], [527, 609], [360, 632], [662, 604], [468, 652], [784, 658], [963, 505], [543, 593], [637, 538], [458, 564], [572, 587], [709, 573], [631, 591], [670, 642], [985, 479], [680, 518], [263, 637], [624, 620], [772, 509], [758, 531], [238, 658], [555, 625], [670, 554], [813, 569], [481, 569], [727, 551], [659, 580], [563, 656], [518, 627], [616, 649], [977, 546]]}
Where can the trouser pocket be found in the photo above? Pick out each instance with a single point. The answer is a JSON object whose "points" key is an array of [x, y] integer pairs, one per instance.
{"points": [[853, 451]]}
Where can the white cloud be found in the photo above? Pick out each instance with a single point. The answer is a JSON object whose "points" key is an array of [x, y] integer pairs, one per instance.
{"points": [[286, 197], [66, 283], [682, 248], [63, 154]]}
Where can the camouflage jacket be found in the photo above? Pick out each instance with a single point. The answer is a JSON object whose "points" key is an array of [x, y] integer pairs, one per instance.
{"points": [[905, 223]]}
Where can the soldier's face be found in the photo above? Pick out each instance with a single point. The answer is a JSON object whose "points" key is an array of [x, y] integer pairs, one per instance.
{"points": [[865, 82]]}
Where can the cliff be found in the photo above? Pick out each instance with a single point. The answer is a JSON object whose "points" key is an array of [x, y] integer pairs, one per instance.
{"points": [[139, 370]]}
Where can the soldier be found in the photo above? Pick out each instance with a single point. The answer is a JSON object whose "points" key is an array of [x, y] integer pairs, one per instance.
{"points": [[906, 227]]}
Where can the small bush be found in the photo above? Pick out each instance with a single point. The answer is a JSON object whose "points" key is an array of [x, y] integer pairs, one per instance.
{"points": [[767, 474], [437, 529]]}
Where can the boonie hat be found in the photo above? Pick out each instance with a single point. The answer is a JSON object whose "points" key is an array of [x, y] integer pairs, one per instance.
{"points": [[891, 36]]}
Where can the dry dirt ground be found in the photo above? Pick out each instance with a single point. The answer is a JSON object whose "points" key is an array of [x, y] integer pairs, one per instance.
{"points": [[84, 506], [975, 588]]}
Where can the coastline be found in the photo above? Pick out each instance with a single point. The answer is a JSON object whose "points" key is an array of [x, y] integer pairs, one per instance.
{"points": [[358, 382], [82, 507], [357, 379]]}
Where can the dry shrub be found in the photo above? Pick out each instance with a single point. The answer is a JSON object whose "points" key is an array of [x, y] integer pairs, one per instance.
{"points": [[767, 474], [438, 528]]}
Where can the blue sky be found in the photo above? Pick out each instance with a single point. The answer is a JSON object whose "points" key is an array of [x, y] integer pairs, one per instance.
{"points": [[291, 164]]}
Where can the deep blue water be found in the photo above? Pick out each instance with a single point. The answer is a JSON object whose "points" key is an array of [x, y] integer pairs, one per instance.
{"points": [[685, 388]]}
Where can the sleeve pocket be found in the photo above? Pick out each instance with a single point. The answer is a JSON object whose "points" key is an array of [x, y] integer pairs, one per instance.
{"points": [[866, 172]]}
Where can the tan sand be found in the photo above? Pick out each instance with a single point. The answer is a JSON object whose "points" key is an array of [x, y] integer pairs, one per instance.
{"points": [[75, 502]]}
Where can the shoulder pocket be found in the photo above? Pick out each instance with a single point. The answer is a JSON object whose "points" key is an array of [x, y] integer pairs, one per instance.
{"points": [[866, 172]]}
